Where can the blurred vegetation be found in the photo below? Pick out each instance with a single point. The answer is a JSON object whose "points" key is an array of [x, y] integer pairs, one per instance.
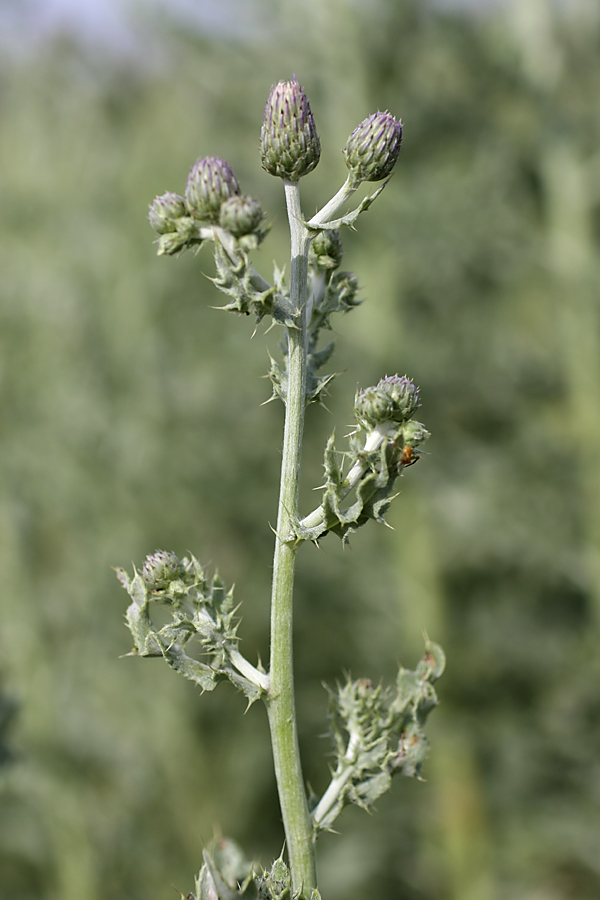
{"points": [[131, 420]]}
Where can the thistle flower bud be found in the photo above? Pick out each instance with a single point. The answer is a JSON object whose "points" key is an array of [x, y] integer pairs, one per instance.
{"points": [[414, 434], [372, 149], [393, 399], [403, 394], [277, 882], [160, 569], [326, 250], [372, 406], [289, 143], [164, 212], [211, 181], [240, 215]]}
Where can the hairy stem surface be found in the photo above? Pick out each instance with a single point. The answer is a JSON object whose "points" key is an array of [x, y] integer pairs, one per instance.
{"points": [[345, 192], [281, 705]]}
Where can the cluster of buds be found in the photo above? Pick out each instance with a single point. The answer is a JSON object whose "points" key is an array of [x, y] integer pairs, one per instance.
{"points": [[212, 196], [386, 442], [201, 609], [394, 399], [385, 412], [290, 146], [378, 732]]}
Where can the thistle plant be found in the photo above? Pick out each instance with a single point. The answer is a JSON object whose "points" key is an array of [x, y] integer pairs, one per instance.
{"points": [[377, 731]]}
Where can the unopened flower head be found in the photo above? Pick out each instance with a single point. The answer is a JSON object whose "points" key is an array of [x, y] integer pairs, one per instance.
{"points": [[160, 569], [403, 394], [240, 215], [326, 249], [289, 143], [414, 434], [210, 183], [372, 149], [393, 399], [165, 211]]}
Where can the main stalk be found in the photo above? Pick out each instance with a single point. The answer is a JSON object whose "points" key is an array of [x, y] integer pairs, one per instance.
{"points": [[281, 703]]}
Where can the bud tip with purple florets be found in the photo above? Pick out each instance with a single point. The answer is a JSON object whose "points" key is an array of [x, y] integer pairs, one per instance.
{"points": [[394, 399], [210, 183], [289, 143], [372, 149]]}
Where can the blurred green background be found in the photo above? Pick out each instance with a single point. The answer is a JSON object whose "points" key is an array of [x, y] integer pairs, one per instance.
{"points": [[131, 420]]}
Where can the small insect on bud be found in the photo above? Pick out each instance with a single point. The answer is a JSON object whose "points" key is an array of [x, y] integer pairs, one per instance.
{"points": [[211, 181], [165, 211], [326, 250], [240, 215], [372, 149], [393, 399], [289, 143], [160, 569]]}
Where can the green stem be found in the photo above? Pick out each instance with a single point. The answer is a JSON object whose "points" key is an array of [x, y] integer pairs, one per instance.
{"points": [[280, 704], [343, 195]]}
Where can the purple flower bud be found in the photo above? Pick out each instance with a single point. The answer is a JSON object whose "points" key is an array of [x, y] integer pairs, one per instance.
{"points": [[372, 149], [289, 143], [210, 182], [160, 569], [393, 399], [403, 394], [165, 211]]}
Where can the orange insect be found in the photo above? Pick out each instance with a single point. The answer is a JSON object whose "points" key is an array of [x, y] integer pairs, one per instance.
{"points": [[408, 457]]}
